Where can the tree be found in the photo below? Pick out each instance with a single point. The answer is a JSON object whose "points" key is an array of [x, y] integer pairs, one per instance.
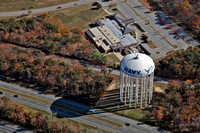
{"points": [[50, 62], [5, 100], [98, 57], [51, 27], [99, 6], [181, 108], [196, 24], [19, 39], [169, 26]]}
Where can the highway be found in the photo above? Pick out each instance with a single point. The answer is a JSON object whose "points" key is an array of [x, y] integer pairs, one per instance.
{"points": [[6, 127], [47, 9], [135, 126]]}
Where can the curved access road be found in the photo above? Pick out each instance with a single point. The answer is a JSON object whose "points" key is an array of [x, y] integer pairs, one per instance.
{"points": [[46, 9]]}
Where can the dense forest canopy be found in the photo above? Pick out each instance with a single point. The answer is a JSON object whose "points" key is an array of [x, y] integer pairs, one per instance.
{"points": [[179, 110], [182, 65], [55, 76], [51, 36], [181, 107]]}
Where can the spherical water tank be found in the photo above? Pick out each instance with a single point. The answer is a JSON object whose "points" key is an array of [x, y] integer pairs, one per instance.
{"points": [[136, 69], [137, 65]]}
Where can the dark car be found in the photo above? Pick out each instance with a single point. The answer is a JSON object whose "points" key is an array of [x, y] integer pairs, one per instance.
{"points": [[1, 92], [127, 124], [16, 96], [59, 7]]}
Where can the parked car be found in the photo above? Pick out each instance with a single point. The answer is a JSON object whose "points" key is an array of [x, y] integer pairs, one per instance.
{"points": [[77, 114], [59, 7], [16, 96], [1, 92], [127, 124], [92, 110]]}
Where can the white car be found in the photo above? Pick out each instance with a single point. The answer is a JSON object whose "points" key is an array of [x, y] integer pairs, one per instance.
{"points": [[92, 110]]}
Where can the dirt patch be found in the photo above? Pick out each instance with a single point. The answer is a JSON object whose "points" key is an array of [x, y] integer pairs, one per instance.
{"points": [[114, 85], [158, 89]]}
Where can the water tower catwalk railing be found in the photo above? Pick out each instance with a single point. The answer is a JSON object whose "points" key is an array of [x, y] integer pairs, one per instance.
{"points": [[127, 86]]}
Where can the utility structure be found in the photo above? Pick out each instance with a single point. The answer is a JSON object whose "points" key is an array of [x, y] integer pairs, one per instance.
{"points": [[136, 67]]}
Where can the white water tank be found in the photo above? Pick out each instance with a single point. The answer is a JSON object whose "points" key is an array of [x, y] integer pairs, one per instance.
{"points": [[136, 67]]}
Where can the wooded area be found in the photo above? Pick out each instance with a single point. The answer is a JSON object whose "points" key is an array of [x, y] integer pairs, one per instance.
{"points": [[26, 49], [54, 76], [180, 108], [181, 65], [51, 36]]}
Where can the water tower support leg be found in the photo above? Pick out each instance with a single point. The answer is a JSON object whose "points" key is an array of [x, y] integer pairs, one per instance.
{"points": [[131, 91], [152, 86], [142, 80], [147, 79], [125, 89], [144, 87], [121, 86], [128, 86], [136, 91]]}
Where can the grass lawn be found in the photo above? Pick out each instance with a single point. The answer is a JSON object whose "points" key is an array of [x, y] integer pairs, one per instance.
{"points": [[175, 46], [112, 5], [80, 16], [13, 5], [112, 104], [113, 58], [136, 114], [151, 45]]}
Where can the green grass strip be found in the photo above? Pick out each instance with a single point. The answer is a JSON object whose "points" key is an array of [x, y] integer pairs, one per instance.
{"points": [[26, 96]]}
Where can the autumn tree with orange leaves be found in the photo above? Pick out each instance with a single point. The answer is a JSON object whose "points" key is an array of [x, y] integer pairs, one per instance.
{"points": [[37, 121], [182, 65], [181, 107], [48, 34], [32, 66]]}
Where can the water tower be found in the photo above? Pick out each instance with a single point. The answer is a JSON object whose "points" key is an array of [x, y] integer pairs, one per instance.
{"points": [[136, 76]]}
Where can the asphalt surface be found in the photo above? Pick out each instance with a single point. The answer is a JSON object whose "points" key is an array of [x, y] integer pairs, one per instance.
{"points": [[6, 127], [135, 126], [161, 36], [47, 9]]}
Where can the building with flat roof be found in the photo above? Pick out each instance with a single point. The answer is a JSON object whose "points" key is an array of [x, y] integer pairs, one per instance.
{"points": [[103, 37], [109, 35]]}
